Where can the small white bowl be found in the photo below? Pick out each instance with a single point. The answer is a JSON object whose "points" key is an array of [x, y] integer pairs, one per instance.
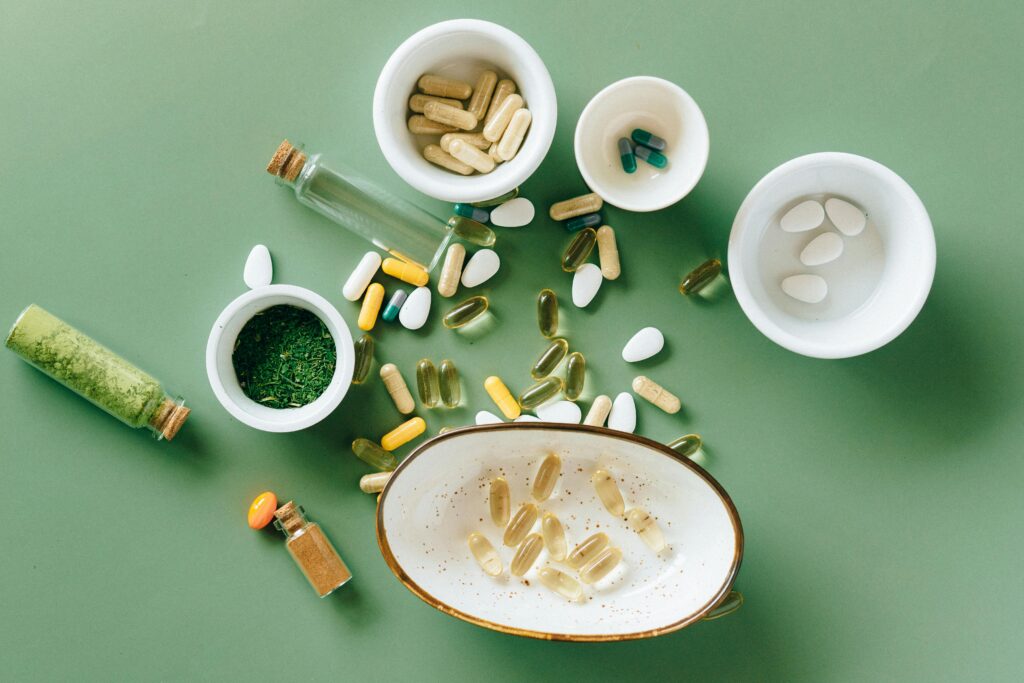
{"points": [[657, 106], [461, 49], [876, 287]]}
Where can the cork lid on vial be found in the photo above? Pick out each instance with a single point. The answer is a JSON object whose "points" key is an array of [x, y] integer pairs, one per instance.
{"points": [[287, 162], [169, 418]]}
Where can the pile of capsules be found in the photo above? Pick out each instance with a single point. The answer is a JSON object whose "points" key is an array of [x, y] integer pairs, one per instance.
{"points": [[645, 146]]}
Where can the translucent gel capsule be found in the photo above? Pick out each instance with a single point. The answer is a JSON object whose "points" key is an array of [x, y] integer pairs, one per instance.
{"points": [[373, 455], [397, 388], [403, 433], [587, 550], [541, 392], [561, 583], [500, 501], [575, 375], [608, 491], [472, 212], [374, 483], [520, 525], [502, 397], [602, 565], [471, 231], [363, 359], [651, 156], [499, 200], [580, 222], [427, 384], [579, 249], [700, 277], [577, 206], [646, 528], [485, 554], [451, 388], [527, 554], [547, 313], [687, 445], [554, 536], [451, 272], [546, 478], [626, 156], [394, 305], [550, 358], [465, 312], [648, 139], [372, 300]]}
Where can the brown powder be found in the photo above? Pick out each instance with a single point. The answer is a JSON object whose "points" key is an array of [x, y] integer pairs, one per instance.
{"points": [[312, 551]]}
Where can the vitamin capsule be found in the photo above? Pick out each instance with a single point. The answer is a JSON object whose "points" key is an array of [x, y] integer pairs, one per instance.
{"points": [[577, 206], [406, 272], [687, 445], [485, 554], [482, 92], [647, 139], [470, 155], [394, 305], [476, 139], [651, 156], [500, 501], [480, 268], [471, 231], [587, 221], [565, 412], [520, 525], [699, 278], [361, 275], [421, 125], [427, 384], [599, 410], [472, 212], [418, 101], [403, 433], [554, 536], [579, 250], [363, 359], [449, 116], [371, 306], [825, 248], [415, 309], [397, 388], [502, 397], [646, 343], [626, 156], [587, 550], [847, 218], [465, 312], [374, 483], [561, 583], [439, 157], [451, 388], [541, 392], [648, 389], [492, 152], [601, 566], [373, 455], [550, 358], [512, 139], [504, 88], [495, 127], [261, 511], [806, 215], [451, 272], [575, 375], [810, 289], [547, 313], [646, 528], [527, 554], [586, 283], [500, 199], [431, 84], [547, 476], [608, 491], [608, 253], [513, 214], [623, 413]]}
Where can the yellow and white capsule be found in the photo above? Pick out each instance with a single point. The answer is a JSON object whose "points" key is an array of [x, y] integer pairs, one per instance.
{"points": [[520, 525], [500, 501], [547, 475], [648, 389], [587, 550], [554, 536], [561, 583], [608, 491], [403, 433], [602, 565], [485, 554], [646, 528], [502, 397], [372, 301], [527, 554]]}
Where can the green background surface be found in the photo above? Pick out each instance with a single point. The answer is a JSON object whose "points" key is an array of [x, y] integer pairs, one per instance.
{"points": [[880, 495]]}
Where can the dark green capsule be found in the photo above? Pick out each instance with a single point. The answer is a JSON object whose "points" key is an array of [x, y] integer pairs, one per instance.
{"points": [[497, 201], [626, 156], [373, 455], [451, 389], [648, 139], [576, 254], [470, 211], [586, 221], [364, 359], [701, 276], [547, 313], [394, 305], [541, 392], [651, 156], [575, 375], [471, 231], [687, 445], [465, 312], [550, 358], [427, 383]]}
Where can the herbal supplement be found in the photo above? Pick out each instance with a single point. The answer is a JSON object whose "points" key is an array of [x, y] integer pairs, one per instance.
{"points": [[549, 358], [492, 152], [566, 412], [847, 218], [427, 383], [449, 116], [586, 221], [311, 550], [500, 501], [541, 392], [363, 359], [482, 266], [547, 476], [502, 397], [575, 375], [623, 413], [485, 554], [439, 157], [512, 138], [644, 344], [642, 137], [554, 536], [500, 199], [651, 156], [417, 102], [415, 309], [472, 212], [806, 215], [599, 410], [825, 248], [95, 372], [471, 231], [561, 583], [359, 279], [476, 139], [520, 525], [601, 566], [372, 301], [421, 125], [451, 389], [471, 156], [526, 555], [482, 92], [547, 313], [451, 272], [373, 455], [495, 126], [406, 272], [586, 283], [608, 491], [579, 250], [587, 550], [374, 483], [259, 268], [608, 253], [700, 277], [687, 445], [261, 511], [504, 88], [577, 206], [430, 84], [646, 528], [810, 289], [626, 156], [513, 214], [465, 312], [394, 306], [403, 433], [284, 357]]}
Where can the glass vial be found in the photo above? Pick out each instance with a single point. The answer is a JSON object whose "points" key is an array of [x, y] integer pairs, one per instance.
{"points": [[311, 550]]}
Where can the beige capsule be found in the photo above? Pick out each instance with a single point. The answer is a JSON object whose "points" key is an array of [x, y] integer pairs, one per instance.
{"points": [[485, 553], [561, 583], [439, 157], [514, 133], [598, 412], [608, 491], [647, 388], [476, 139], [608, 253], [374, 483], [397, 388], [577, 206], [471, 156], [451, 272], [417, 102], [602, 565], [587, 550], [646, 528], [492, 152], [547, 475], [520, 525], [554, 536], [421, 125], [494, 128], [500, 501], [482, 93], [432, 84], [449, 116], [527, 554], [504, 88]]}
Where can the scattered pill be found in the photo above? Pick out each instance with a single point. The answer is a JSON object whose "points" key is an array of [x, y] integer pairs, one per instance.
{"points": [[502, 397], [547, 313], [646, 528], [431, 84], [371, 306], [644, 344], [847, 218], [391, 311], [648, 389], [806, 215], [496, 124], [608, 253], [363, 359], [397, 388], [541, 392], [485, 554], [514, 213], [471, 231], [549, 358], [577, 206], [470, 211], [587, 221], [403, 433], [361, 275], [598, 412], [421, 125], [504, 88], [601, 566], [810, 289], [647, 139], [554, 536], [373, 455], [405, 271], [374, 483], [578, 251], [687, 445], [500, 501], [824, 248], [527, 554], [437, 156], [415, 310], [465, 312], [585, 284], [561, 583], [700, 277], [259, 269], [512, 138], [427, 383], [480, 268], [622, 416], [451, 387], [261, 511], [651, 156], [565, 412], [626, 156], [484, 417], [526, 417], [520, 524], [500, 199], [476, 139], [587, 550], [575, 375], [608, 492], [482, 93], [456, 117], [418, 101], [546, 478]]}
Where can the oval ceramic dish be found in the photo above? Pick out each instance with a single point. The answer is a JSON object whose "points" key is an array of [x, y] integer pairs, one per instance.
{"points": [[438, 495]]}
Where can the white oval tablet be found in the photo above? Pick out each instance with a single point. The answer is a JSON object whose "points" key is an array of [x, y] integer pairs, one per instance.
{"points": [[804, 216], [481, 267], [643, 345], [810, 289], [259, 270], [487, 418], [585, 284], [415, 310], [623, 414], [360, 278], [526, 417], [847, 218], [514, 213], [560, 411], [824, 248]]}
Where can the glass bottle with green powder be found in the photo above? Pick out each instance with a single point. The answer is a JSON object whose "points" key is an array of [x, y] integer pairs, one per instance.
{"points": [[92, 370]]}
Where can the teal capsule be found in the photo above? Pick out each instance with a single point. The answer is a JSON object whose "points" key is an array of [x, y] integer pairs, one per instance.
{"points": [[653, 157], [575, 375], [394, 305], [626, 156], [373, 455], [580, 222], [471, 230], [550, 358], [497, 201], [541, 392], [363, 360], [648, 139], [451, 388], [472, 212], [465, 312]]}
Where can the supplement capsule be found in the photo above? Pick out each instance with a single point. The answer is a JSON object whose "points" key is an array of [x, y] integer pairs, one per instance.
{"points": [[700, 277], [608, 491], [372, 300], [520, 525], [449, 116], [431, 84], [687, 445], [499, 200], [578, 251], [646, 528], [651, 156], [608, 253], [261, 511], [500, 501], [587, 221], [577, 206], [561, 583], [650, 390], [403, 433], [492, 152], [550, 358], [601, 566], [485, 554], [642, 137], [472, 212], [465, 312], [373, 455], [417, 102], [547, 476], [397, 388], [361, 275], [541, 392], [626, 156], [587, 550], [451, 272], [421, 125], [374, 483], [554, 536], [504, 88], [575, 375], [406, 272], [527, 554], [512, 138], [451, 388], [439, 157], [495, 127], [599, 410], [502, 397], [547, 313], [472, 231], [427, 383], [470, 155], [476, 139], [363, 359], [482, 92], [394, 305]]}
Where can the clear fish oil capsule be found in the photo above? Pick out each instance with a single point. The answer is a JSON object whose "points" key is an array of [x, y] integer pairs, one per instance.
{"points": [[373, 455], [451, 272], [451, 388], [608, 253], [646, 528], [372, 300], [499, 200], [527, 554], [651, 156], [575, 375], [577, 206], [456, 117], [554, 536], [700, 277], [601, 566], [374, 483], [520, 525], [469, 211], [578, 251], [541, 392], [687, 445], [500, 501], [587, 550], [648, 139], [547, 313], [502, 397], [472, 231], [586, 221], [648, 389], [485, 554], [561, 583], [608, 491], [437, 156], [465, 312], [427, 384], [482, 92], [397, 388], [363, 359], [549, 358], [626, 156], [546, 478], [431, 84], [403, 433]]}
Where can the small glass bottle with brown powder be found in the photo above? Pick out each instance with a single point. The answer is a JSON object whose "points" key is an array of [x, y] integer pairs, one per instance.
{"points": [[311, 550]]}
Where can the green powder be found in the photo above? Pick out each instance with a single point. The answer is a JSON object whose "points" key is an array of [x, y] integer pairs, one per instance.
{"points": [[284, 357]]}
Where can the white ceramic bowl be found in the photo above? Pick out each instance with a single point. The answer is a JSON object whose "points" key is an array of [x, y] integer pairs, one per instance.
{"points": [[438, 495], [878, 285], [461, 49], [660, 107]]}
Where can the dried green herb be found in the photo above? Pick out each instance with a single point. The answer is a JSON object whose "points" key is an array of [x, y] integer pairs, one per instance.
{"points": [[284, 357]]}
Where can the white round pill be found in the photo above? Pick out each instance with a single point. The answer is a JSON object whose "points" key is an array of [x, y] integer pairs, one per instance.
{"points": [[485, 417], [526, 417], [824, 248], [514, 213], [847, 218], [623, 414], [360, 277], [644, 344], [415, 310], [560, 411], [481, 267], [803, 217], [259, 269], [585, 284], [810, 289]]}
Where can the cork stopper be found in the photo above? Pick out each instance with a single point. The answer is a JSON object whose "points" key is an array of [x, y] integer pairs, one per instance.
{"points": [[287, 162], [289, 517], [169, 418]]}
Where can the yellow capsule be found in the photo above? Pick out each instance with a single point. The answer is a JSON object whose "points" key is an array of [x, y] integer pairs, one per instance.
{"points": [[451, 388], [527, 554], [448, 283], [575, 375], [687, 445], [701, 276], [482, 93], [470, 155], [587, 550], [372, 301], [465, 312], [541, 392], [421, 125], [373, 455], [374, 483], [406, 272], [549, 358], [485, 554], [561, 583], [646, 528], [520, 525], [547, 475], [554, 536], [577, 206], [502, 397], [449, 116], [512, 138], [650, 390], [608, 253], [476, 139], [495, 127], [439, 157], [547, 312], [418, 101], [403, 433], [432, 84], [578, 251], [504, 88], [602, 565], [500, 501], [363, 359], [397, 388], [608, 491], [599, 410]]}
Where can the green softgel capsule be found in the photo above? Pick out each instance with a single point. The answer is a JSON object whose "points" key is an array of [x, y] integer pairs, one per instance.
{"points": [[577, 252], [626, 156], [575, 375], [550, 358], [363, 359], [373, 455], [687, 445], [471, 231], [472, 212], [547, 312], [427, 383], [465, 312], [648, 139], [700, 277], [451, 388], [541, 392], [651, 156]]}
